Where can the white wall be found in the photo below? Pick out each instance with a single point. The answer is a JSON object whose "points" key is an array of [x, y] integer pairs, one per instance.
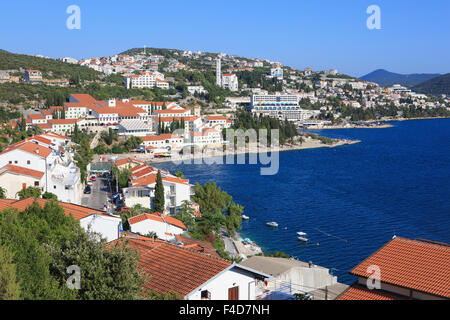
{"points": [[160, 228], [12, 183], [108, 227], [229, 279]]}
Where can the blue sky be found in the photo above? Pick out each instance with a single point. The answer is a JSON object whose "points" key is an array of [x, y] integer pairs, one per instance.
{"points": [[323, 34]]}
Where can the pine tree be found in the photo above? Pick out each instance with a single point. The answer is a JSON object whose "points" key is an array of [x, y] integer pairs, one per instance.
{"points": [[158, 203]]}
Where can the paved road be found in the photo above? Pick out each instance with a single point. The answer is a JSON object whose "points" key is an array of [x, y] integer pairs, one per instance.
{"points": [[100, 192], [229, 245]]}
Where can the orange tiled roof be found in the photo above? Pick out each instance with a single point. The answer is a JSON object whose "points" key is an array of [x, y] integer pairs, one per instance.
{"points": [[172, 268], [22, 171], [414, 264], [164, 136], [157, 217], [360, 292], [30, 147], [77, 211]]}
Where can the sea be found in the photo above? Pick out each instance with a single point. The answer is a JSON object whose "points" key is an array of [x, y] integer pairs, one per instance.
{"points": [[349, 200]]}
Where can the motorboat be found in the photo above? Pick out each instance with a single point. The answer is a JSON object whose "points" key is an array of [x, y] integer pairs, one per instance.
{"points": [[272, 224], [301, 234], [245, 217], [302, 239]]}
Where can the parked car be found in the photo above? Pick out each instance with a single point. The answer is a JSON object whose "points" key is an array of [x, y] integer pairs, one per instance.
{"points": [[87, 190], [93, 178]]}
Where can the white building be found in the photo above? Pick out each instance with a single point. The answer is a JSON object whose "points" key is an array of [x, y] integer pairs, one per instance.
{"points": [[146, 80], [230, 81], [164, 226], [277, 73], [133, 127], [193, 273], [38, 162], [196, 89], [141, 189]]}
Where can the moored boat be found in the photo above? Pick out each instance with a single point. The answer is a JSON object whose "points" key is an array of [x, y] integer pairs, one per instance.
{"points": [[302, 239], [245, 217], [301, 233], [272, 224]]}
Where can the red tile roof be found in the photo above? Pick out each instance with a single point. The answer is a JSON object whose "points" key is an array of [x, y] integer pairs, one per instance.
{"points": [[414, 264], [30, 147], [78, 212], [21, 171], [157, 217], [360, 292], [172, 268], [160, 137]]}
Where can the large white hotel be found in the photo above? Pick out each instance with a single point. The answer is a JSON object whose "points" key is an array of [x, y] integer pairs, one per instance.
{"points": [[282, 106]]}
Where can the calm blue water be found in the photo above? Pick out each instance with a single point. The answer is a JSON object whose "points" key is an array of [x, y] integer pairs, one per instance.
{"points": [[351, 199]]}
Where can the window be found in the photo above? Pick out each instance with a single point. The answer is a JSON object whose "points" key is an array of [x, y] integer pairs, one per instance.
{"points": [[205, 295], [15, 161], [28, 162], [36, 183]]}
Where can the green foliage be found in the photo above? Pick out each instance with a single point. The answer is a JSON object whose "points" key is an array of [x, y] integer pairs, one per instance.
{"points": [[51, 69], [44, 242], [29, 192], [49, 196], [245, 120], [83, 156], [186, 215], [121, 176], [179, 174], [158, 203], [9, 287], [153, 295], [2, 193]]}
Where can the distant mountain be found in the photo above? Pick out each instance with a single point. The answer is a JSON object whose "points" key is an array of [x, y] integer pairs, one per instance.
{"points": [[436, 86], [386, 78]]}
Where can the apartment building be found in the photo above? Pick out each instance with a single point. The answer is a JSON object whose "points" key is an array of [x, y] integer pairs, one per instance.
{"points": [[146, 79], [32, 76], [230, 81]]}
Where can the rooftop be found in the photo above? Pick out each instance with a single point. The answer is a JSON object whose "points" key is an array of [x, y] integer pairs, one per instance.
{"points": [[416, 264]]}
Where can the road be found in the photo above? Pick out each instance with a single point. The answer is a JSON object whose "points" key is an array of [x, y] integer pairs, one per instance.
{"points": [[100, 192], [229, 245]]}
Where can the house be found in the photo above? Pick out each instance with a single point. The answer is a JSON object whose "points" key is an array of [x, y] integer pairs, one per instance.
{"points": [[32, 76], [230, 81], [164, 141], [192, 274], [141, 189], [213, 120], [164, 226], [14, 178], [42, 162], [293, 275], [107, 226], [133, 127], [128, 163], [405, 269]]}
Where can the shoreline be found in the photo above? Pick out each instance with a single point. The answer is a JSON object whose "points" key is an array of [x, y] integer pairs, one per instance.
{"points": [[381, 126], [309, 144]]}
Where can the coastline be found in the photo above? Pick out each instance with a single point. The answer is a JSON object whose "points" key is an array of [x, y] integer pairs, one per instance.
{"points": [[381, 126], [308, 144]]}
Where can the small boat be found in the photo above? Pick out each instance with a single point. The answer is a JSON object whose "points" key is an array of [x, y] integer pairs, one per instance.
{"points": [[272, 224], [301, 233], [245, 217], [302, 239]]}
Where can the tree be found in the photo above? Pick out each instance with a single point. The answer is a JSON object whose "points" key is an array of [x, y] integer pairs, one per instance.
{"points": [[9, 287], [186, 214], [158, 203], [2, 193], [233, 219], [29, 192], [49, 196], [179, 174]]}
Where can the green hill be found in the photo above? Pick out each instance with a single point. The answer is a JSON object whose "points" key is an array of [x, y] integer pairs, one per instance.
{"points": [[435, 86], [51, 69]]}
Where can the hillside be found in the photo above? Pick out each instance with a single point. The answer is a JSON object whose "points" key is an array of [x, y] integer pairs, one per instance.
{"points": [[386, 78], [435, 86], [50, 68]]}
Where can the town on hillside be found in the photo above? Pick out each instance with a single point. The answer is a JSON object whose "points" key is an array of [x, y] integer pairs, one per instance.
{"points": [[80, 144]]}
